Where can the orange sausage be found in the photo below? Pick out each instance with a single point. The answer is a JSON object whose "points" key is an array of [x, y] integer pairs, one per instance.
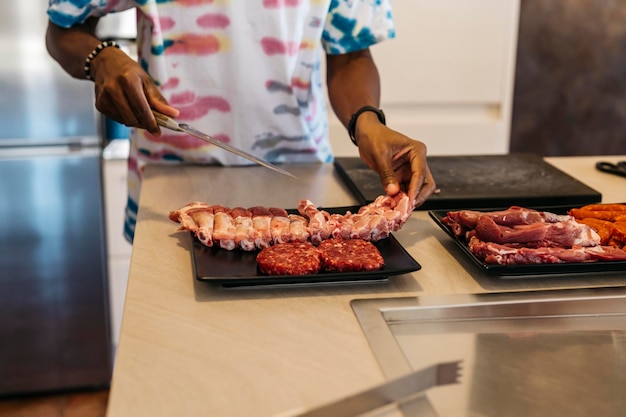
{"points": [[618, 232], [596, 214], [604, 207]]}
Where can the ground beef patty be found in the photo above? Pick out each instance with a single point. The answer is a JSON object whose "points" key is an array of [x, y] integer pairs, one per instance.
{"points": [[289, 259], [350, 255]]}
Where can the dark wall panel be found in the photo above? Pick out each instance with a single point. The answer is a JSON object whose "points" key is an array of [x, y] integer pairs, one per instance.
{"points": [[570, 83]]}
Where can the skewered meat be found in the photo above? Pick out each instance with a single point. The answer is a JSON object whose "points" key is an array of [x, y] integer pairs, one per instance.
{"points": [[318, 225], [196, 217], [298, 229], [244, 237], [279, 226], [224, 228], [260, 227], [261, 230]]}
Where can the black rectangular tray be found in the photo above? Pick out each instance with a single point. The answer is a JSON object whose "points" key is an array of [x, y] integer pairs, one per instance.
{"points": [[238, 268], [478, 181], [529, 271]]}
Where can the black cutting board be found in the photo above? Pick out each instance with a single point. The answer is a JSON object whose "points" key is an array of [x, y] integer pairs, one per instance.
{"points": [[481, 181]]}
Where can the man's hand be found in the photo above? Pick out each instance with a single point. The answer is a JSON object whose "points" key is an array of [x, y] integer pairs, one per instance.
{"points": [[125, 92], [399, 160]]}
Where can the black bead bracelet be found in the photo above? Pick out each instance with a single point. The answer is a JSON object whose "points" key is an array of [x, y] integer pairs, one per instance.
{"points": [[94, 54]]}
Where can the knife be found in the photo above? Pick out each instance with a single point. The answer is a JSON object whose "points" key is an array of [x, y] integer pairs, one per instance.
{"points": [[172, 124], [395, 391]]}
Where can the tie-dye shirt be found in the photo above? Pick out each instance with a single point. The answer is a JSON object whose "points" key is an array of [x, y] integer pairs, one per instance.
{"points": [[247, 72]]}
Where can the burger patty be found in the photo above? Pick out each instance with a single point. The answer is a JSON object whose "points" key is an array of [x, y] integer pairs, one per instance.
{"points": [[350, 255], [289, 259]]}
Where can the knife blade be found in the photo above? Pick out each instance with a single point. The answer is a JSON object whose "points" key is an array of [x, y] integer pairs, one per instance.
{"points": [[395, 391], [172, 124]]}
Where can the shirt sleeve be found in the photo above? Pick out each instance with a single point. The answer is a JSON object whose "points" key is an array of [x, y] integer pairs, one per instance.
{"points": [[352, 25], [66, 13]]}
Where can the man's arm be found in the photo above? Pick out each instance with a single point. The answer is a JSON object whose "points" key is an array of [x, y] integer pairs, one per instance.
{"points": [[123, 90], [69, 47], [353, 82]]}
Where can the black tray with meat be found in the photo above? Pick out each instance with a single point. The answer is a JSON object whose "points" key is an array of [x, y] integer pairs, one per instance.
{"points": [[238, 268], [514, 271]]}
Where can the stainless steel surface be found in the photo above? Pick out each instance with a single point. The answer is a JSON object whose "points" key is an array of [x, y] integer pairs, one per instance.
{"points": [[399, 390], [529, 354], [53, 276], [172, 124], [53, 297], [39, 102]]}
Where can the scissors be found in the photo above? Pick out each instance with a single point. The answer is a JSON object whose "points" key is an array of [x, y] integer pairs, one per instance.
{"points": [[618, 168]]}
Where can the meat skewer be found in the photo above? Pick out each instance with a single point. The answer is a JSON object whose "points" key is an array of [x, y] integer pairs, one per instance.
{"points": [[259, 227], [261, 220], [244, 237], [224, 229], [318, 226]]}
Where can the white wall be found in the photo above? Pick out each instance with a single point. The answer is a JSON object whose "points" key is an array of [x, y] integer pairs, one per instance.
{"points": [[447, 78]]}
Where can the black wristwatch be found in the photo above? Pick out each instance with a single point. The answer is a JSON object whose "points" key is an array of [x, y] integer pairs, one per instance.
{"points": [[352, 122]]}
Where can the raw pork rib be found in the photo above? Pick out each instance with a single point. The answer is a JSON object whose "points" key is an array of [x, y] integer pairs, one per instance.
{"points": [[260, 227], [524, 236]]}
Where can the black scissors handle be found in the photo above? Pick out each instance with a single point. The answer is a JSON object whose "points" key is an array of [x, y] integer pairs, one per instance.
{"points": [[616, 169]]}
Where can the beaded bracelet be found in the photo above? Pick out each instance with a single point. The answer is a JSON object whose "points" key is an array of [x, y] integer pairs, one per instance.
{"points": [[94, 54]]}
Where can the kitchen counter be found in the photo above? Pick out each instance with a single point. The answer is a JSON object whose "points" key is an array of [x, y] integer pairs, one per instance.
{"points": [[190, 348]]}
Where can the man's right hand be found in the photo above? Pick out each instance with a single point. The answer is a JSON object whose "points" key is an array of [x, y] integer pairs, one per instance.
{"points": [[125, 92]]}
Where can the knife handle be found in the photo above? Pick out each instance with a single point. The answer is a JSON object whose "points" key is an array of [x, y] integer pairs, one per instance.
{"points": [[165, 121]]}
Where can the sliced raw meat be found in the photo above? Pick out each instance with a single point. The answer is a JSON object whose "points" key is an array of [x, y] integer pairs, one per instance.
{"points": [[462, 221], [565, 233], [494, 253]]}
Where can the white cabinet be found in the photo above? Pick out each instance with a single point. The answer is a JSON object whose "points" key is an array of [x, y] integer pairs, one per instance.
{"points": [[447, 79], [118, 248]]}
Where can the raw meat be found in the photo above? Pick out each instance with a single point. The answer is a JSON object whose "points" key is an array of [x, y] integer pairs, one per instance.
{"points": [[525, 236], [494, 253], [352, 255], [565, 233], [260, 227], [293, 258]]}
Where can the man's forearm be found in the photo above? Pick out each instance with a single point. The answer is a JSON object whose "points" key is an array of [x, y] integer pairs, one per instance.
{"points": [[353, 82], [70, 47]]}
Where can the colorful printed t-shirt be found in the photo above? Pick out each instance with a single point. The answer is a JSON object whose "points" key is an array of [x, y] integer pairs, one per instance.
{"points": [[247, 72]]}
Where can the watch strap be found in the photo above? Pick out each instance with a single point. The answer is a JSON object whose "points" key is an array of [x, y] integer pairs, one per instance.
{"points": [[355, 116]]}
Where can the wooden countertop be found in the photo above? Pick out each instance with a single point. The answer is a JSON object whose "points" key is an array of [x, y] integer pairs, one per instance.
{"points": [[188, 348]]}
